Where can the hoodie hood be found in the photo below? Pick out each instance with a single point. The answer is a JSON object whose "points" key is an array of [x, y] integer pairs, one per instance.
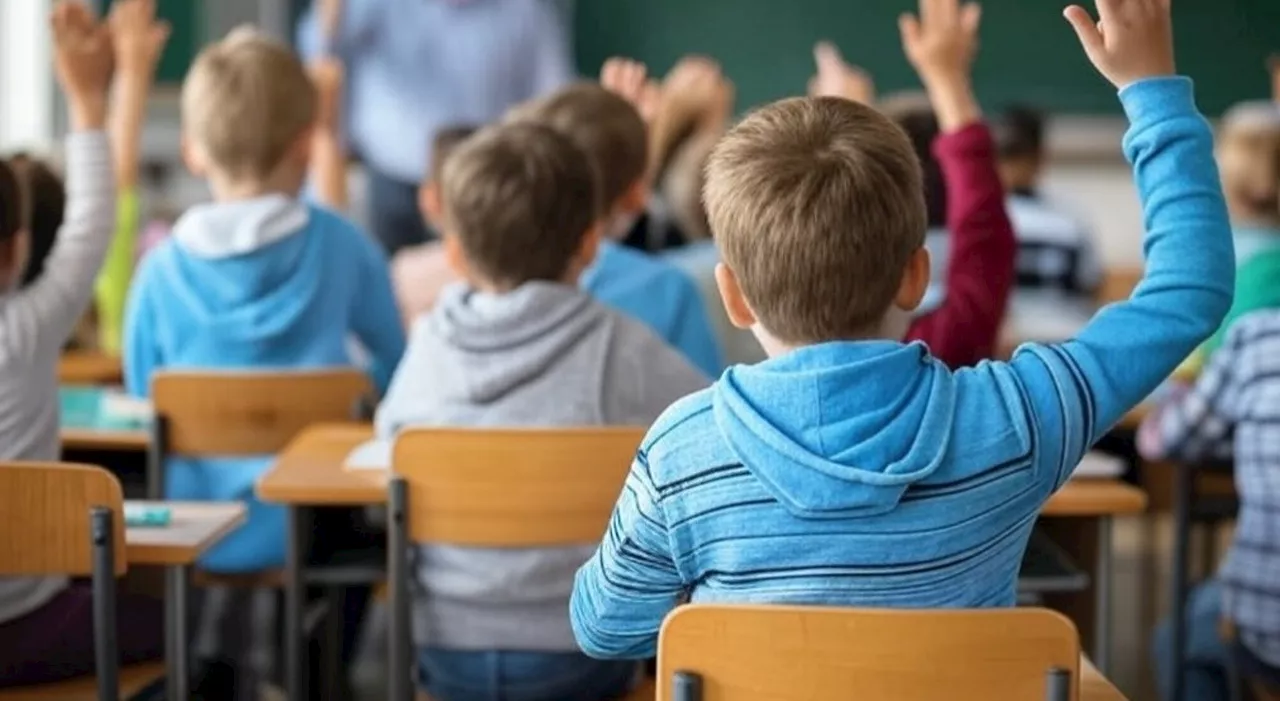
{"points": [[488, 344], [246, 269], [839, 429]]}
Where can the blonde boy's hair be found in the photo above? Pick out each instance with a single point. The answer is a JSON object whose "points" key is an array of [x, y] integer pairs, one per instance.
{"points": [[246, 101], [520, 198], [817, 206], [605, 126]]}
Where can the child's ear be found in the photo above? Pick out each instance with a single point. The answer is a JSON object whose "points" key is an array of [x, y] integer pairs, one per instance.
{"points": [[429, 202], [193, 157], [735, 303], [915, 281]]}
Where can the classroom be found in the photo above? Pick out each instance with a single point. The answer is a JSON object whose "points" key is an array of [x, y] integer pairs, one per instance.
{"points": [[640, 350]]}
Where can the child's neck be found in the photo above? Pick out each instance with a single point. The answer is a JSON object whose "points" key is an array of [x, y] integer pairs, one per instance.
{"points": [[891, 328], [226, 189]]}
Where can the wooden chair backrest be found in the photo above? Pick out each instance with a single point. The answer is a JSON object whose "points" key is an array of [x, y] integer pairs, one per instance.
{"points": [[229, 414], [46, 508], [788, 653], [513, 487]]}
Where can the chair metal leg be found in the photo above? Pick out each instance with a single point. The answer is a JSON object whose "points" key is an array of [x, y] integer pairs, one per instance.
{"points": [[295, 589], [157, 448], [177, 655], [686, 686], [1057, 685], [1183, 487], [333, 667], [1102, 598], [398, 576], [105, 635]]}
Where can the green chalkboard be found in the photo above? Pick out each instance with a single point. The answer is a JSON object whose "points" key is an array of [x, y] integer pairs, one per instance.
{"points": [[1029, 53], [184, 40]]}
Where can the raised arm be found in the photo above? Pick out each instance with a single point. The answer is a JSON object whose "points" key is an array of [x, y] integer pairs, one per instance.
{"points": [[39, 318], [1079, 389], [328, 157], [139, 40], [941, 45]]}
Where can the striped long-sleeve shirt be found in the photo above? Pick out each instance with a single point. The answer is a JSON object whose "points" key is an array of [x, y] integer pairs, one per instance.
{"points": [[1233, 410], [868, 474]]}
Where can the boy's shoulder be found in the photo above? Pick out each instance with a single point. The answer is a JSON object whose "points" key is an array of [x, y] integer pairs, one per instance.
{"points": [[688, 424], [337, 226]]}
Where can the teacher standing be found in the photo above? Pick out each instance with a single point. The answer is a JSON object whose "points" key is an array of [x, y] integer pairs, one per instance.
{"points": [[415, 66]]}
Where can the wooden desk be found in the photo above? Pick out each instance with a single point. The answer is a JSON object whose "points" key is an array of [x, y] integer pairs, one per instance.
{"points": [[88, 425], [193, 528], [89, 368]]}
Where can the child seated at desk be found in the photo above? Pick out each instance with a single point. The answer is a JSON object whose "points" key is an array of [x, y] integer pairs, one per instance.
{"points": [[852, 469], [255, 280], [519, 344], [1233, 410], [46, 623]]}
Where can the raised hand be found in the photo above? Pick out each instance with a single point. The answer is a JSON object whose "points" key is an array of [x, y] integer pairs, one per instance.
{"points": [[696, 89], [836, 78], [328, 76], [941, 43], [138, 37], [83, 60], [630, 80], [1132, 40]]}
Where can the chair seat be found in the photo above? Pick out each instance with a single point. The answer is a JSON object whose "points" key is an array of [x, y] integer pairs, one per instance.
{"points": [[645, 692], [133, 680]]}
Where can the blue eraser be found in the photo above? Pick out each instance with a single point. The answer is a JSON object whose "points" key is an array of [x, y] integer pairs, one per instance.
{"points": [[146, 515]]}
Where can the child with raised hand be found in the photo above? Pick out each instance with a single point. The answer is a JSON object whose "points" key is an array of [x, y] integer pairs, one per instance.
{"points": [[976, 253], [854, 469], [46, 623]]}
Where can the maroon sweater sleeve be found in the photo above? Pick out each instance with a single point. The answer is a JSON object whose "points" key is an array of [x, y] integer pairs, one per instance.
{"points": [[979, 275]]}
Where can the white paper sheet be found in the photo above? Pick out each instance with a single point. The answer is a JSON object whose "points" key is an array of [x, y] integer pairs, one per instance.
{"points": [[370, 455]]}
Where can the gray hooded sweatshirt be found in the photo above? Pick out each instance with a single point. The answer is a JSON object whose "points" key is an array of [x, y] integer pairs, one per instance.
{"points": [[544, 354]]}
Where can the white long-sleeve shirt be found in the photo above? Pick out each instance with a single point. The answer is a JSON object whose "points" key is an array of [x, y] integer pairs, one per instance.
{"points": [[36, 321]]}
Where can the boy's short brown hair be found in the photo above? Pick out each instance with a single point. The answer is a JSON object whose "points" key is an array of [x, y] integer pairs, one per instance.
{"points": [[246, 101], [443, 144], [605, 126], [520, 198], [816, 205]]}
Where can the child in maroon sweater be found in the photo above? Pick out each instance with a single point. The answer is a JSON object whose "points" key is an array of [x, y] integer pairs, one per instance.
{"points": [[962, 188]]}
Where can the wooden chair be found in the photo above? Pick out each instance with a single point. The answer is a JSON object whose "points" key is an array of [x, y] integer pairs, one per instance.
{"points": [[780, 653], [72, 523], [497, 489], [89, 368], [243, 414]]}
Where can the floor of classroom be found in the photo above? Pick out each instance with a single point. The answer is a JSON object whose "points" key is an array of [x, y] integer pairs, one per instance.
{"points": [[1136, 607]]}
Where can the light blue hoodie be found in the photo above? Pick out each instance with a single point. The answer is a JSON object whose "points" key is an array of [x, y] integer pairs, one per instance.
{"points": [[868, 474], [262, 284]]}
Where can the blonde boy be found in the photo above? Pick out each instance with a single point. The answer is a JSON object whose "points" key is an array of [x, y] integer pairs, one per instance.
{"points": [[257, 279], [853, 469]]}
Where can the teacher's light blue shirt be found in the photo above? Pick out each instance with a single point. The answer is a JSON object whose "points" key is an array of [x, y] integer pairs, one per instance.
{"points": [[415, 66]]}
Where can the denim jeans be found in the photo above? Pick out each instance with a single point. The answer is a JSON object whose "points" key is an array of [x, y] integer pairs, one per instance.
{"points": [[1205, 674], [457, 675], [393, 213]]}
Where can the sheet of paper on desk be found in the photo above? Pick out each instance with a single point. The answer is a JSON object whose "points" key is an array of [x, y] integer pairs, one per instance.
{"points": [[370, 455], [119, 405], [1095, 465]]}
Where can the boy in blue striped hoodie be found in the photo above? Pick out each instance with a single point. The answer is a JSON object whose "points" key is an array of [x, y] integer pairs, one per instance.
{"points": [[853, 469]]}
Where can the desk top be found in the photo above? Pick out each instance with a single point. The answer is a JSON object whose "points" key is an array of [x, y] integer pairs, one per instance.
{"points": [[310, 472], [193, 528], [89, 368], [88, 423]]}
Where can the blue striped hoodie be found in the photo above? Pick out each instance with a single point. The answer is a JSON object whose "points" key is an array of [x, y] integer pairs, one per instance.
{"points": [[868, 474]]}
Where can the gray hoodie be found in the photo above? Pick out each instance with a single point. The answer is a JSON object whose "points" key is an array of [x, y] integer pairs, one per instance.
{"points": [[542, 355]]}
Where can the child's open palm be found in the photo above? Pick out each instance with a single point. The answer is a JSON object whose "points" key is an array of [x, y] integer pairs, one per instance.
{"points": [[943, 40], [82, 51], [837, 78], [630, 80], [138, 37], [1132, 40]]}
